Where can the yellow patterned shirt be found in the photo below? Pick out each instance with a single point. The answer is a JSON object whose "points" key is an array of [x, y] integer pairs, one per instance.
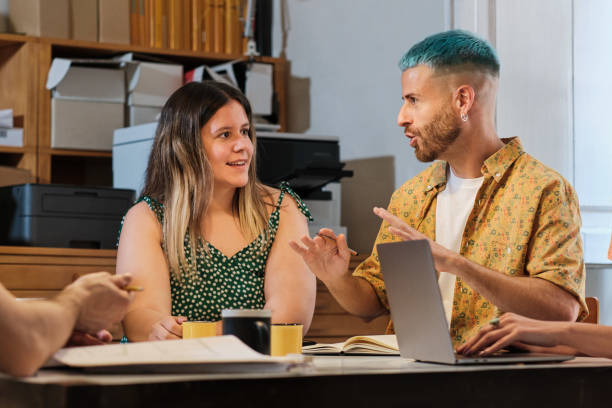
{"points": [[525, 222]]}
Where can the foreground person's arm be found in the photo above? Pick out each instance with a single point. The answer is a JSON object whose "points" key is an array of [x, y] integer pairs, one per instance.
{"points": [[32, 331]]}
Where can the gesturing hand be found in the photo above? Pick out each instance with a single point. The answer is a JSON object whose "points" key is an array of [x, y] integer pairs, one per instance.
{"points": [[442, 257], [327, 259]]}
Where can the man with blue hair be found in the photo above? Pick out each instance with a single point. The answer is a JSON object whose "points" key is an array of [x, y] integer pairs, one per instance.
{"points": [[504, 229]]}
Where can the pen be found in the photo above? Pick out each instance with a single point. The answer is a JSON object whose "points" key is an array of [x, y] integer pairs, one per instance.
{"points": [[352, 251], [132, 288]]}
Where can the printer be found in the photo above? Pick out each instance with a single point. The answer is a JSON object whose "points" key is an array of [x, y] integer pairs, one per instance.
{"points": [[310, 164], [54, 215]]}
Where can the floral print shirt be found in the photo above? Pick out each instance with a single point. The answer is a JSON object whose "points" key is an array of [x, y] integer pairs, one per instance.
{"points": [[525, 222]]}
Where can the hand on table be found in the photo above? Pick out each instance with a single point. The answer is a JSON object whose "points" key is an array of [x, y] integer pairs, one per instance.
{"points": [[442, 257], [326, 258], [168, 328], [515, 330], [78, 338]]}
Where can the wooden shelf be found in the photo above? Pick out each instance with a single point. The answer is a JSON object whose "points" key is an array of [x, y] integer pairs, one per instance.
{"points": [[24, 64], [12, 150], [122, 48], [78, 153], [11, 39], [66, 252]]}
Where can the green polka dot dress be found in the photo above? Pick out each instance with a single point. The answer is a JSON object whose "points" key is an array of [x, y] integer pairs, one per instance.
{"points": [[220, 282]]}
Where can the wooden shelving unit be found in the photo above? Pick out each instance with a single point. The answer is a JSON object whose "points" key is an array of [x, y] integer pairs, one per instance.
{"points": [[24, 64]]}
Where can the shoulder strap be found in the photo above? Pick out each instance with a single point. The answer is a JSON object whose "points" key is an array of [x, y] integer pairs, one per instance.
{"points": [[285, 188], [154, 205]]}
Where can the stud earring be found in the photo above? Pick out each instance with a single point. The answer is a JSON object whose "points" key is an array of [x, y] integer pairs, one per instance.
{"points": [[464, 117]]}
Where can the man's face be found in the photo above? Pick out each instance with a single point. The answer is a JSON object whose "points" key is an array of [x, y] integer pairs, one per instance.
{"points": [[427, 115]]}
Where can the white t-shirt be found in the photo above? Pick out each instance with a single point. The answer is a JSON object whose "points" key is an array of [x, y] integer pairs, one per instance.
{"points": [[453, 208]]}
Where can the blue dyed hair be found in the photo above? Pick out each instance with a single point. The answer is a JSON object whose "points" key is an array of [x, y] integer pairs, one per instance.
{"points": [[450, 50]]}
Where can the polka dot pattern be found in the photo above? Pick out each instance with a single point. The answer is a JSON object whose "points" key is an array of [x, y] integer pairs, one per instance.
{"points": [[220, 282]]}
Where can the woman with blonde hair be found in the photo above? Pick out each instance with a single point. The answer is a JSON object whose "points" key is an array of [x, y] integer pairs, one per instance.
{"points": [[206, 235]]}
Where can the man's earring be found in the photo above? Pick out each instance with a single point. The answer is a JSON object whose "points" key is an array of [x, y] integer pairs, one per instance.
{"points": [[464, 117]]}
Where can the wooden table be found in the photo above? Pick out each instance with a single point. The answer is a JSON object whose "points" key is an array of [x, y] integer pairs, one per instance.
{"points": [[328, 382]]}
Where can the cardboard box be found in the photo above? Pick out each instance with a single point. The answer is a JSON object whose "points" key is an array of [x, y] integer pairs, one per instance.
{"points": [[86, 125], [151, 83], [131, 149], [114, 21], [42, 18], [137, 115], [84, 20], [10, 176], [87, 103], [11, 137]]}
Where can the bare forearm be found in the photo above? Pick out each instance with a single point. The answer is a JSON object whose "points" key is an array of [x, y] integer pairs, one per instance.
{"points": [[33, 333], [356, 296], [138, 323], [297, 313], [589, 339], [531, 297]]}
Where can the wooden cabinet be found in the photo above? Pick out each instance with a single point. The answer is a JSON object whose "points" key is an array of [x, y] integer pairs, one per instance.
{"points": [[34, 272], [332, 324], [24, 64]]}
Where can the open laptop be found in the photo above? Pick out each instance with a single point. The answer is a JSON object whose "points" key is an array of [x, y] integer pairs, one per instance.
{"points": [[417, 311]]}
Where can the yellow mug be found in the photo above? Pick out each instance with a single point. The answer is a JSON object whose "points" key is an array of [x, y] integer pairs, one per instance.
{"points": [[195, 329], [286, 339]]}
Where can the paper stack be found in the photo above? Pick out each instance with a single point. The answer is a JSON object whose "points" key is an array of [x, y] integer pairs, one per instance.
{"points": [[208, 354]]}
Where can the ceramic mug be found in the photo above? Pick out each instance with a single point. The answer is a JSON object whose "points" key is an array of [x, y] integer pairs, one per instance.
{"points": [[193, 329], [286, 339], [252, 326]]}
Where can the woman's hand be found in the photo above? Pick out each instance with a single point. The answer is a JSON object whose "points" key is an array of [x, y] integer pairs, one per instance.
{"points": [[515, 330], [168, 328]]}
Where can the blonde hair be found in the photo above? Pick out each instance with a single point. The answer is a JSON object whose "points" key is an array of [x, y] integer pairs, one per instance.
{"points": [[179, 174]]}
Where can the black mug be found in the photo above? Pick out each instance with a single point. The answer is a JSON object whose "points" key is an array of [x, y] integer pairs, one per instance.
{"points": [[252, 326]]}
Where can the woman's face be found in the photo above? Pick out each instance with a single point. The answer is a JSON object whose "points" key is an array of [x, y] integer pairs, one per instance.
{"points": [[227, 144]]}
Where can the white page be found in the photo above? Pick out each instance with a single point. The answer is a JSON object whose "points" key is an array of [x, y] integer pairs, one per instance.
{"points": [[220, 349]]}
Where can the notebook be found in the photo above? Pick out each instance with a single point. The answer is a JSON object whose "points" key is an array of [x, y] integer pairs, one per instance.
{"points": [[418, 313], [385, 344]]}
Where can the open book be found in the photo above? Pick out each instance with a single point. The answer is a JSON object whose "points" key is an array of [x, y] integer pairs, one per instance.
{"points": [[383, 344], [207, 354]]}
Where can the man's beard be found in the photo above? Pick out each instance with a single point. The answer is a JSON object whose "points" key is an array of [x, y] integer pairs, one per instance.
{"points": [[436, 136]]}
